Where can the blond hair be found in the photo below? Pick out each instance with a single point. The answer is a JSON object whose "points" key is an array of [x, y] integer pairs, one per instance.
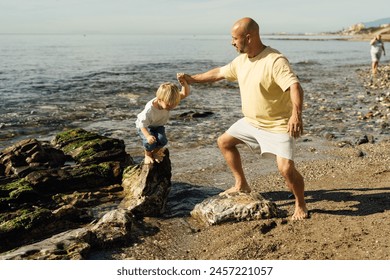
{"points": [[169, 93]]}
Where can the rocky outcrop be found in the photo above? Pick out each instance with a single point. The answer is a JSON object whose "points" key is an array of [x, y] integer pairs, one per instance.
{"points": [[72, 195], [83, 192], [46, 189], [113, 228]]}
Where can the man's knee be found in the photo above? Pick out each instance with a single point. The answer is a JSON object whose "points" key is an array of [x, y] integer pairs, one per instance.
{"points": [[221, 142], [286, 168], [225, 141]]}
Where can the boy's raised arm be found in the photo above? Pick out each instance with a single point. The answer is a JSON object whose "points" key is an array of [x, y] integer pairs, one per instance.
{"points": [[185, 91]]}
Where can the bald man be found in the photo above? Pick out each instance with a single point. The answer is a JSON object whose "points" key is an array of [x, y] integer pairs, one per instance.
{"points": [[271, 101]]}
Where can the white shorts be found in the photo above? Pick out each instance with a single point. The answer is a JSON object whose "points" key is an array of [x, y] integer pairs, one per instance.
{"points": [[280, 144]]}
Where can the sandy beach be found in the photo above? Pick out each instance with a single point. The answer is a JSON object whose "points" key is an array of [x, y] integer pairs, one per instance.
{"points": [[347, 191]]}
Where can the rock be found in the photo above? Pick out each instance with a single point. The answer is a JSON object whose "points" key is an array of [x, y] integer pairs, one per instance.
{"points": [[27, 214], [68, 245], [87, 147], [42, 196], [193, 115], [113, 228], [329, 136], [76, 244], [23, 224], [75, 177], [234, 207], [146, 187], [56, 205], [29, 155]]}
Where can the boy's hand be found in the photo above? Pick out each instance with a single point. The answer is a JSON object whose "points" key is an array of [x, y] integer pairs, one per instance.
{"points": [[181, 78], [151, 139]]}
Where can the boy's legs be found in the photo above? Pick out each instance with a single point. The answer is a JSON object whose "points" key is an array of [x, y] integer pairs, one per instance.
{"points": [[161, 137], [162, 140], [148, 148], [155, 155], [155, 151]]}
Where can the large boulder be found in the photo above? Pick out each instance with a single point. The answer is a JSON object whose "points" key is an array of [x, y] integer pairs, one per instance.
{"points": [[234, 207]]}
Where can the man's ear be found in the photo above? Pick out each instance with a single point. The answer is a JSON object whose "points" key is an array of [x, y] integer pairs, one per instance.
{"points": [[248, 37]]}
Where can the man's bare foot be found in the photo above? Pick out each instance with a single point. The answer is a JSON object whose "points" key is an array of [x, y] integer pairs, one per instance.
{"points": [[233, 190], [159, 155], [300, 214]]}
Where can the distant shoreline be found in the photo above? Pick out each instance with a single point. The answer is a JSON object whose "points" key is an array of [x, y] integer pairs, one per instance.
{"points": [[362, 35], [326, 37]]}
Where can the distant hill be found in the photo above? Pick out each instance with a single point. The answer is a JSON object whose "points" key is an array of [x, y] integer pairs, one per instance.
{"points": [[380, 26], [376, 23], [365, 31]]}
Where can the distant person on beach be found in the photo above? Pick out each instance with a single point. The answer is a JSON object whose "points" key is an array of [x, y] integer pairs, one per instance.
{"points": [[150, 122], [377, 47], [272, 99]]}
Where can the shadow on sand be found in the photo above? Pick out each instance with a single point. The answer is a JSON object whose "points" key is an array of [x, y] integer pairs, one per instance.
{"points": [[354, 202], [183, 197]]}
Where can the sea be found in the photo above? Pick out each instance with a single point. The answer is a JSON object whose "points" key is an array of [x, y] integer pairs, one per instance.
{"points": [[52, 82]]}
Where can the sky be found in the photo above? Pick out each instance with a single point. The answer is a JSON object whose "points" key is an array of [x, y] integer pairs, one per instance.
{"points": [[184, 16]]}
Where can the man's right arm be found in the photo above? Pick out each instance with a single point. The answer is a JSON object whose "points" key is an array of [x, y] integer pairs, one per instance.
{"points": [[210, 76]]}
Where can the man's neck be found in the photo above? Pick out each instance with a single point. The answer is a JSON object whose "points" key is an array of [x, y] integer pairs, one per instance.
{"points": [[257, 51]]}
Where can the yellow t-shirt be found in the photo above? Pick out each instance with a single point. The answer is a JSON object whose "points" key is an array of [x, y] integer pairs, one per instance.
{"points": [[264, 82]]}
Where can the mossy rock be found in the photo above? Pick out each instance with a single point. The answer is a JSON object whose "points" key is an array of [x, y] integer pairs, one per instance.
{"points": [[19, 191], [73, 136], [89, 147], [24, 219], [17, 226]]}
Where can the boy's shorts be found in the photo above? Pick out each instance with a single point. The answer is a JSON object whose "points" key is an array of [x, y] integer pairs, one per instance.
{"points": [[280, 144], [159, 133]]}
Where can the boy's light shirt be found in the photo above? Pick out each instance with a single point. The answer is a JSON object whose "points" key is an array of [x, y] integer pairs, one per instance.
{"points": [[151, 116]]}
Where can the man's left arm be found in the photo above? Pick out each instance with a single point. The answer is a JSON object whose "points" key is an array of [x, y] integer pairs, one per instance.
{"points": [[295, 124]]}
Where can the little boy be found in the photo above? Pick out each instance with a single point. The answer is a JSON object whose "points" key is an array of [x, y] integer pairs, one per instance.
{"points": [[150, 122]]}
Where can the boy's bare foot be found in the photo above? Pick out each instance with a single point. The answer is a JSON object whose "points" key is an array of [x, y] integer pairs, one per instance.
{"points": [[234, 189], [148, 160], [159, 155]]}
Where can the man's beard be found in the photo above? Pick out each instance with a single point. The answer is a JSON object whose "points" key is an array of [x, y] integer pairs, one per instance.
{"points": [[241, 50]]}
